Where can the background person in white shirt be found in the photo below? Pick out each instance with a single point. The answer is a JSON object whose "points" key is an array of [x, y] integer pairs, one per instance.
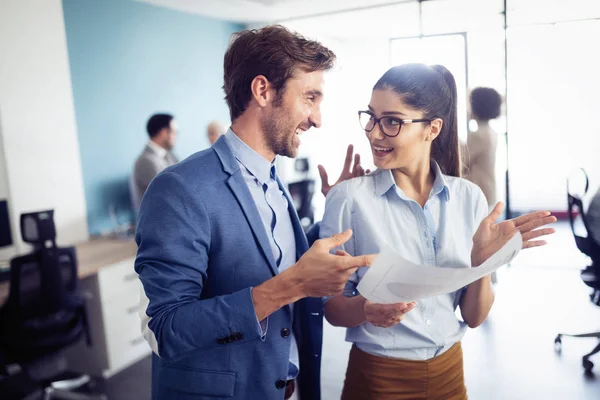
{"points": [[417, 203]]}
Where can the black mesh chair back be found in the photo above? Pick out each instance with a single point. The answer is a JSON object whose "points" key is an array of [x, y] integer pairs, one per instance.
{"points": [[302, 193], [44, 311], [590, 275], [34, 290], [586, 244]]}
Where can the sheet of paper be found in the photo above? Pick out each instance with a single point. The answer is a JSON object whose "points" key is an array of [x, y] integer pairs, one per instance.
{"points": [[393, 279]]}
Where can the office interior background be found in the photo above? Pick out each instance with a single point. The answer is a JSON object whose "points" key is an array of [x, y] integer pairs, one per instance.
{"points": [[79, 79]]}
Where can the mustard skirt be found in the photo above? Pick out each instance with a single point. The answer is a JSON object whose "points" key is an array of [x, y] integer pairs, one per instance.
{"points": [[370, 377]]}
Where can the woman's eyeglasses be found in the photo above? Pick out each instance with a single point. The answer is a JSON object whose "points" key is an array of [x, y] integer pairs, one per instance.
{"points": [[390, 126]]}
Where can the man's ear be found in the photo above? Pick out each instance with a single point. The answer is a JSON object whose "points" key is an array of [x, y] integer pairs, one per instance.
{"points": [[163, 134], [261, 90], [435, 127]]}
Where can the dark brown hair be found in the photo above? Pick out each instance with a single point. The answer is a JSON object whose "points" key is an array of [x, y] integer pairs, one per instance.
{"points": [[274, 52], [157, 123], [485, 103], [431, 90]]}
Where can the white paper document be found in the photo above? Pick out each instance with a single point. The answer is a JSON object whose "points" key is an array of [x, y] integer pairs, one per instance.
{"points": [[393, 279]]}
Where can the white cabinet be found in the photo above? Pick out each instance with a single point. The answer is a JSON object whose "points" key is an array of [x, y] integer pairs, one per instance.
{"points": [[115, 325]]}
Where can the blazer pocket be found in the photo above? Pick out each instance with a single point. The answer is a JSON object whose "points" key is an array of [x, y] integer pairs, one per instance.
{"points": [[197, 381]]}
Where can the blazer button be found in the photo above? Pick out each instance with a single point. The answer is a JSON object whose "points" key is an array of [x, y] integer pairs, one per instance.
{"points": [[280, 384], [285, 332]]}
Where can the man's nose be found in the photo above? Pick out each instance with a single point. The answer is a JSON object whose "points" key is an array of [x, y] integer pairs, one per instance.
{"points": [[315, 117]]}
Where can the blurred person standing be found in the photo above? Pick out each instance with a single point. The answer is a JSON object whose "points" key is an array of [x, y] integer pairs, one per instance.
{"points": [[214, 130], [157, 154], [480, 160]]}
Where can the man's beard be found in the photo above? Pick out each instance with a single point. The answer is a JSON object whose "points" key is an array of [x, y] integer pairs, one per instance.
{"points": [[277, 133]]}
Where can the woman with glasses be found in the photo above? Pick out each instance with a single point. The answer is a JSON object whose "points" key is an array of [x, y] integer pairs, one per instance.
{"points": [[415, 202]]}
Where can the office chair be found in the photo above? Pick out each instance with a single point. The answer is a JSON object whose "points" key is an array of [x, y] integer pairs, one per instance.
{"points": [[44, 313], [302, 193], [312, 234], [591, 274]]}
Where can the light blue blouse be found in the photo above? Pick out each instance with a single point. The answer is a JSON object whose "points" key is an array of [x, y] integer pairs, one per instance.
{"points": [[440, 233]]}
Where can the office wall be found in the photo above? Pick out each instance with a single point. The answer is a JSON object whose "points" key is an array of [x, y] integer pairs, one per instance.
{"points": [[41, 151], [542, 144], [129, 60]]}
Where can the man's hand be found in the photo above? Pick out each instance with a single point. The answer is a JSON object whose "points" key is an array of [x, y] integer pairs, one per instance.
{"points": [[316, 274], [348, 172], [319, 273], [386, 315], [490, 236]]}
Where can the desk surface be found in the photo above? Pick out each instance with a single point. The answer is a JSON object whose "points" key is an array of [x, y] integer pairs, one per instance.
{"points": [[98, 253], [93, 256]]}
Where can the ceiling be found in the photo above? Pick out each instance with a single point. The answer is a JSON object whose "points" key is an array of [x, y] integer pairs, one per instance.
{"points": [[257, 11], [351, 19]]}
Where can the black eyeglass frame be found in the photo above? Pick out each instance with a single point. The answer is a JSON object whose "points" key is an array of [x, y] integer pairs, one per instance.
{"points": [[377, 121]]}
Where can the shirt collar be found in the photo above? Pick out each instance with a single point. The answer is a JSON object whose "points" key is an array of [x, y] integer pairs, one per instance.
{"points": [[384, 181], [160, 151], [260, 168], [439, 185]]}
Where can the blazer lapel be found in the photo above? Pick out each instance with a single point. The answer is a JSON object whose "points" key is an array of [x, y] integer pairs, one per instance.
{"points": [[240, 190], [301, 242]]}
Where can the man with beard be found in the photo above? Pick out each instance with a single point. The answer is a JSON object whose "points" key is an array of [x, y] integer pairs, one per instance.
{"points": [[231, 302]]}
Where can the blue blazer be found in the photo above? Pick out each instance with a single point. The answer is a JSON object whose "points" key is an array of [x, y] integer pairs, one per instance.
{"points": [[202, 247]]}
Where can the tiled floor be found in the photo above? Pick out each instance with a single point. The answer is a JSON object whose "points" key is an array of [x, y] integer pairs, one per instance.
{"points": [[132, 383], [511, 356]]}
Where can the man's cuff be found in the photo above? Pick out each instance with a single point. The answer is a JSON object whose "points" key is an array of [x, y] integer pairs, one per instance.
{"points": [[263, 326]]}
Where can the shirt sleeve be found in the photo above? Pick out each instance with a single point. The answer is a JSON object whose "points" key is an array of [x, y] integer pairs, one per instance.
{"points": [[263, 326], [480, 212], [337, 218], [481, 207]]}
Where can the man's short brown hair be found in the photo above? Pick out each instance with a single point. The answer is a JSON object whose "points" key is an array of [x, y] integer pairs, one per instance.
{"points": [[274, 52]]}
